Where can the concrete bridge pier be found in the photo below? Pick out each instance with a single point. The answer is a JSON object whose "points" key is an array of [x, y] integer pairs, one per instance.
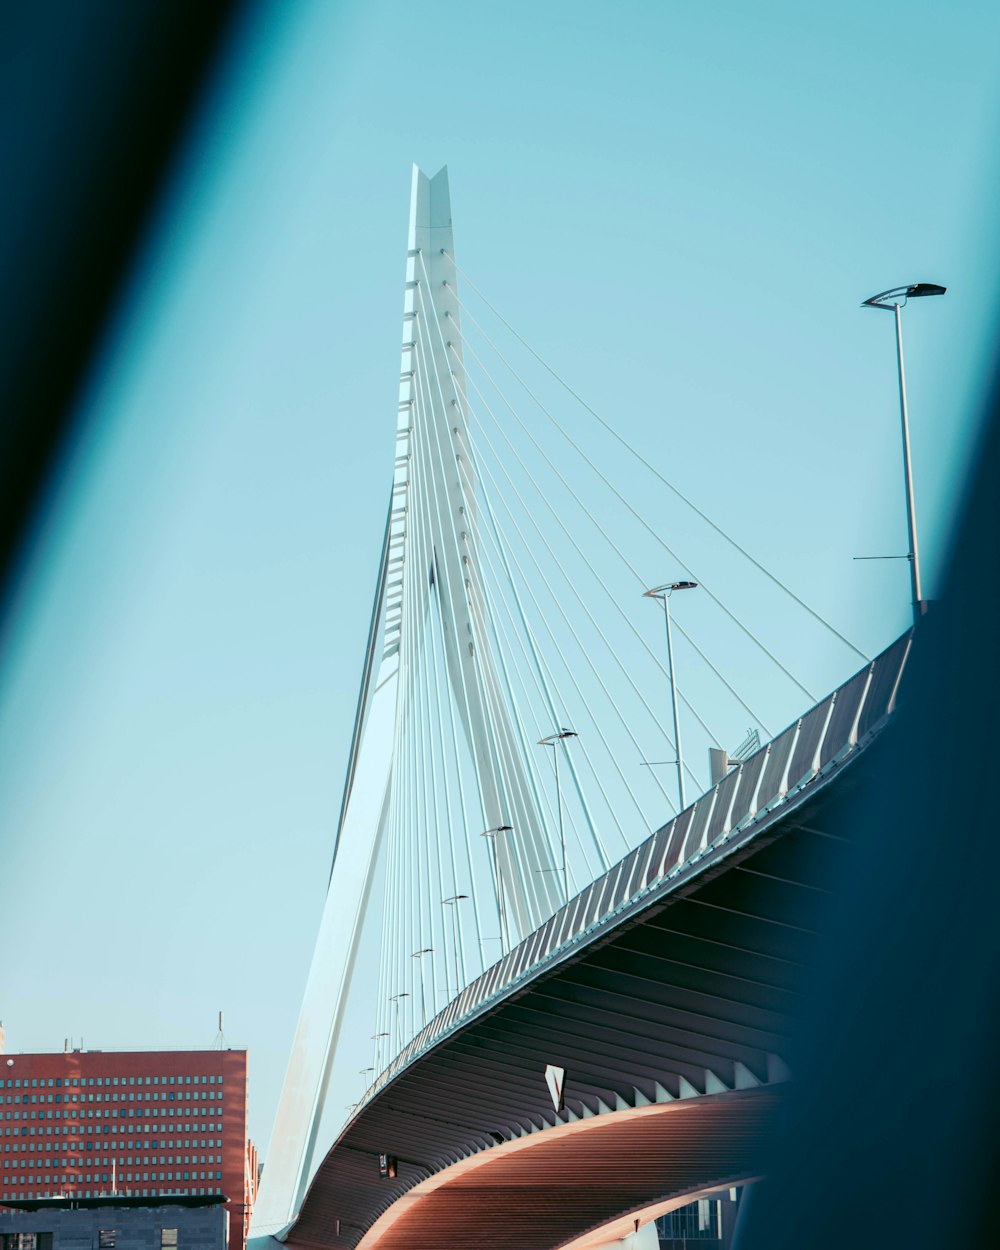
{"points": [[644, 1238]]}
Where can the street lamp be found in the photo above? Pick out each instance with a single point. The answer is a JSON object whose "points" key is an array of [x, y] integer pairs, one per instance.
{"points": [[894, 300], [552, 741], [377, 1039], [491, 836], [399, 1028], [453, 902], [419, 955], [663, 593]]}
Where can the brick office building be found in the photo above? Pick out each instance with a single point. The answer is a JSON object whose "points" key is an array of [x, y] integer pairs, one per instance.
{"points": [[84, 1124]]}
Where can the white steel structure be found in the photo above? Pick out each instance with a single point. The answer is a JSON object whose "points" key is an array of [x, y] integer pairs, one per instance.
{"points": [[430, 601]]}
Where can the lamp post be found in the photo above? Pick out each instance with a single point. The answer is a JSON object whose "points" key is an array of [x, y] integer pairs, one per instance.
{"points": [[894, 300], [663, 593], [491, 836], [419, 956], [399, 1028], [453, 903], [552, 741]]}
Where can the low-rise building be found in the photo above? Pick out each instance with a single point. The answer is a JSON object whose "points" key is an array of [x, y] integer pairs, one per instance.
{"points": [[180, 1223], [83, 1125]]}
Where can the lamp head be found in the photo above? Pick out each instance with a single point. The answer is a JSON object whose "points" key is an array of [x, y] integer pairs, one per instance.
{"points": [[898, 295], [668, 588]]}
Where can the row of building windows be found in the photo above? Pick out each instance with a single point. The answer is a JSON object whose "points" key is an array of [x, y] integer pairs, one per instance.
{"points": [[179, 1095], [25, 1241], [113, 1113], [75, 1147], [106, 1240], [128, 1161], [73, 1120], [61, 1130], [107, 1237], [103, 1193], [77, 1083], [78, 1125], [126, 1176]]}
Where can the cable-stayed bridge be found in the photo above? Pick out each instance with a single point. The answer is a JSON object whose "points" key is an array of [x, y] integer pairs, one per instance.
{"points": [[577, 988]]}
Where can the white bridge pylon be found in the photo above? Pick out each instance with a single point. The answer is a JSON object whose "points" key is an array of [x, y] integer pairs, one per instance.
{"points": [[430, 631], [440, 589]]}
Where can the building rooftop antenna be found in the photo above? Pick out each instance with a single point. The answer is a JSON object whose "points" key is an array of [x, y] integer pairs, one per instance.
{"points": [[220, 1037]]}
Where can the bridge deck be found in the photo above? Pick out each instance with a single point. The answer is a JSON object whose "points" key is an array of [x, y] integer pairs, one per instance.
{"points": [[677, 975]]}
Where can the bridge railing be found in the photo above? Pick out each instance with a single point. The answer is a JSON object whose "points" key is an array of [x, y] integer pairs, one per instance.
{"points": [[816, 744]]}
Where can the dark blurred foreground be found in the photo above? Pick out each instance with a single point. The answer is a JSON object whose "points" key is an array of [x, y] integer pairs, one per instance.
{"points": [[894, 1122], [95, 99]]}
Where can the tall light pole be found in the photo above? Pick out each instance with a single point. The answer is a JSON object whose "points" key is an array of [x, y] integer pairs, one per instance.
{"points": [[491, 836], [419, 956], [894, 300], [399, 1028], [663, 593], [553, 741], [453, 903]]}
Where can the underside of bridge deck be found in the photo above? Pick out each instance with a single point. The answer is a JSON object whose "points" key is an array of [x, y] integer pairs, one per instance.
{"points": [[579, 1177], [674, 1029]]}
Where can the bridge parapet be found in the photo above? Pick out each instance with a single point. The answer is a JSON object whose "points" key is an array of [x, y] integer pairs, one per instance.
{"points": [[798, 760]]}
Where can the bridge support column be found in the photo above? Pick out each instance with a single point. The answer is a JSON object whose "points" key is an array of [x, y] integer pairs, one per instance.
{"points": [[644, 1239]]}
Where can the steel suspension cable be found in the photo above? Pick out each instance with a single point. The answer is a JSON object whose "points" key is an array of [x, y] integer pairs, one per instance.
{"points": [[546, 676], [528, 667], [600, 863], [529, 885], [569, 670], [444, 345], [583, 556], [642, 521], [426, 562], [614, 546], [486, 616], [424, 381], [511, 784], [625, 561], [646, 464], [413, 606], [500, 634]]}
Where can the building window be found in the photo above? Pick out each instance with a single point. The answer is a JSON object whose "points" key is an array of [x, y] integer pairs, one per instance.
{"points": [[106, 1239], [168, 1239]]}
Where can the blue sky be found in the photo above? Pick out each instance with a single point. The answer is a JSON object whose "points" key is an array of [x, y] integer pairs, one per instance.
{"points": [[680, 205]]}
